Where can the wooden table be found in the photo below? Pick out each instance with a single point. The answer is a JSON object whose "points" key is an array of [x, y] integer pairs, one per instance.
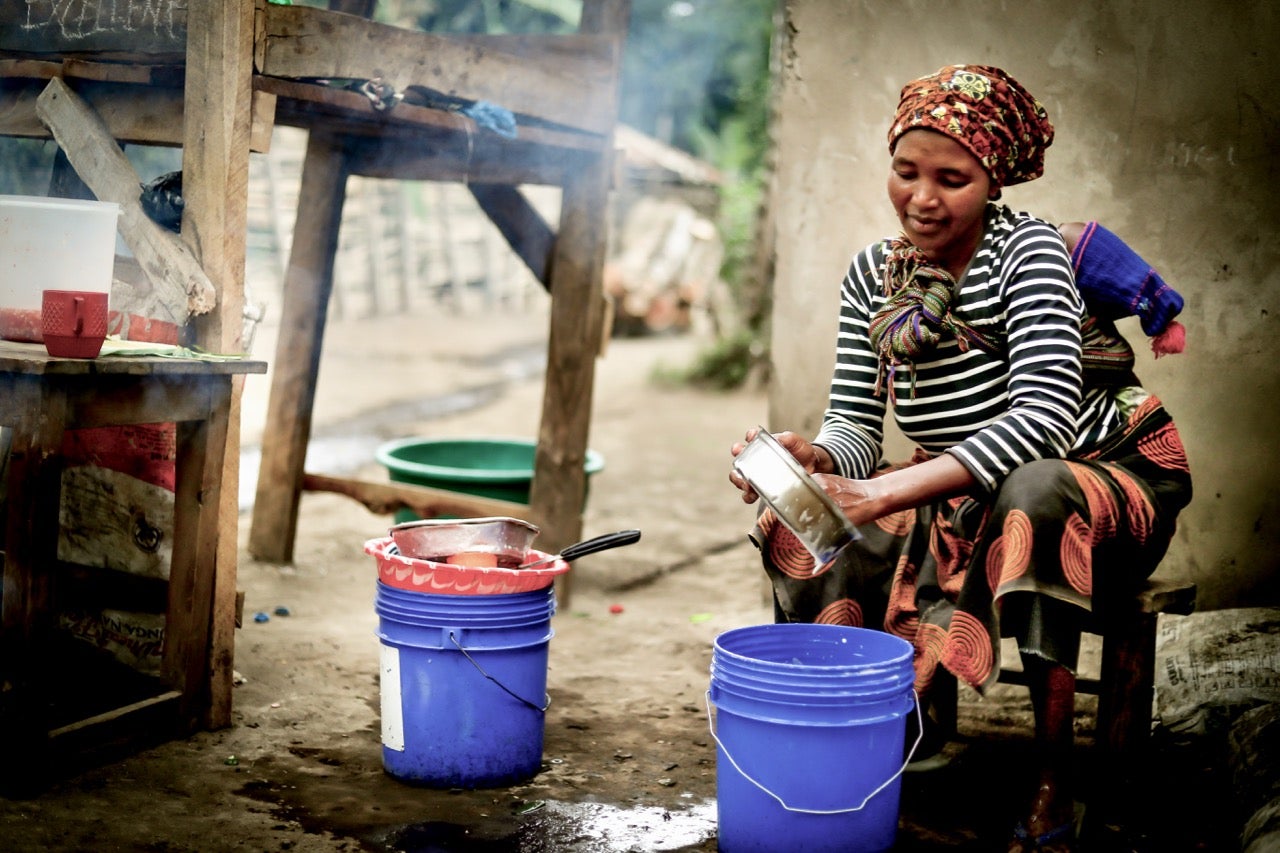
{"points": [[40, 398]]}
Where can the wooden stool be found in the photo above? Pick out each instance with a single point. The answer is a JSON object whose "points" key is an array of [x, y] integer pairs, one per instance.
{"points": [[1126, 685]]}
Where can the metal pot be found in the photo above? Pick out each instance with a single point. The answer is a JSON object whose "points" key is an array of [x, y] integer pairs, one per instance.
{"points": [[795, 497], [507, 539], [502, 542]]}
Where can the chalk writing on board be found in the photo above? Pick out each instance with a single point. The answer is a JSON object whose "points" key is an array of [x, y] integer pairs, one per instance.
{"points": [[80, 19]]}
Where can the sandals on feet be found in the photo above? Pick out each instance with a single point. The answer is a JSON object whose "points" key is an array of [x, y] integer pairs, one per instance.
{"points": [[1060, 839]]}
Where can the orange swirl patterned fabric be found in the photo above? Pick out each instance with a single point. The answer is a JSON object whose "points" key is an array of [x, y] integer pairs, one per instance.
{"points": [[951, 578]]}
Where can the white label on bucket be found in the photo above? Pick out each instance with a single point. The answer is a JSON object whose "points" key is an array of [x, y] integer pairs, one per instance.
{"points": [[392, 709]]}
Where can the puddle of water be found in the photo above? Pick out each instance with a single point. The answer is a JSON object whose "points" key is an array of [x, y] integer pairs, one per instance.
{"points": [[557, 827]]}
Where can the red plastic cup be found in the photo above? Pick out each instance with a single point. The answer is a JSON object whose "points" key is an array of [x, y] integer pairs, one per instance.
{"points": [[73, 322]]}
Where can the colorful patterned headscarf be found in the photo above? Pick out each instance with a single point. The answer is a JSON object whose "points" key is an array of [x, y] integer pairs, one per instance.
{"points": [[986, 111]]}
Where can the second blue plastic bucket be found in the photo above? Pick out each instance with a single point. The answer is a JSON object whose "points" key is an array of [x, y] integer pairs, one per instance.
{"points": [[463, 683], [810, 722]]}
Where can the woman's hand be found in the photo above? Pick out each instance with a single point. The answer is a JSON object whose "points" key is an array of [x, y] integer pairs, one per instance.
{"points": [[812, 459], [912, 486], [859, 500]]}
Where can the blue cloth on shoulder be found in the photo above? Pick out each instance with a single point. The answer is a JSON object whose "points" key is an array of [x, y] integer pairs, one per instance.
{"points": [[1116, 282]]}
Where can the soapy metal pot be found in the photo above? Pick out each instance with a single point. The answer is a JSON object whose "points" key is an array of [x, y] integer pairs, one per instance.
{"points": [[796, 498]]}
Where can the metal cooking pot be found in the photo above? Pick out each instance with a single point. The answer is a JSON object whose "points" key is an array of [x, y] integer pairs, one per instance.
{"points": [[438, 539], [508, 540], [796, 498]]}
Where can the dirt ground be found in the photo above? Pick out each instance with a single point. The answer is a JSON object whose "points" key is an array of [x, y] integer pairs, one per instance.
{"points": [[629, 762]]}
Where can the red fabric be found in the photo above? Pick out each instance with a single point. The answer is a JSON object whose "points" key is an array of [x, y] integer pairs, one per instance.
{"points": [[1172, 340], [986, 111]]}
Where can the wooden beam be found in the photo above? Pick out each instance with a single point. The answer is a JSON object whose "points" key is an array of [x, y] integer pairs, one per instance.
{"points": [[215, 164], [308, 104], [308, 285], [180, 286], [559, 487], [308, 43], [520, 223], [423, 501], [140, 114]]}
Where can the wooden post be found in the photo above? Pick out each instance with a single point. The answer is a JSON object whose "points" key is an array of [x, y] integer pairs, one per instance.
{"points": [[577, 321], [217, 121], [307, 288]]}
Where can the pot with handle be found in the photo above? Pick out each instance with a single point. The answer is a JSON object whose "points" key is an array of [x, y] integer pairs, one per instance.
{"points": [[587, 546]]}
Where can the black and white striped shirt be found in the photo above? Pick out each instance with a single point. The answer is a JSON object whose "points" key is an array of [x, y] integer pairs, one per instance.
{"points": [[992, 412]]}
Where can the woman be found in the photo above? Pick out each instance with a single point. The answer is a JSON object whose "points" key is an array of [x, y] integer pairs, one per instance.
{"points": [[1039, 456]]}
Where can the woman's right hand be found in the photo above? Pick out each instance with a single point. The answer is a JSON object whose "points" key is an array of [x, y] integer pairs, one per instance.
{"points": [[804, 452]]}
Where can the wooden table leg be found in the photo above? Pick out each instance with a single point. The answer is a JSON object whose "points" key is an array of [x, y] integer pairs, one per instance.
{"points": [[31, 545], [185, 664]]}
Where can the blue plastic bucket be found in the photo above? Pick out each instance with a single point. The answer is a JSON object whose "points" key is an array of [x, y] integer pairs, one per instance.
{"points": [[809, 728], [464, 686]]}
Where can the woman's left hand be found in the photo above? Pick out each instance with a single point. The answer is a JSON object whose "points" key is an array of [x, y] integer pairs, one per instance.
{"points": [[859, 500]]}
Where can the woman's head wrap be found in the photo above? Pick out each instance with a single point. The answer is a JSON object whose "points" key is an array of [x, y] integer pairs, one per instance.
{"points": [[986, 111]]}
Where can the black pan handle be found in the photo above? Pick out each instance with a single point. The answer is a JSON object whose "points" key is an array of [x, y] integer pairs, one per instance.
{"points": [[600, 543], [588, 546]]}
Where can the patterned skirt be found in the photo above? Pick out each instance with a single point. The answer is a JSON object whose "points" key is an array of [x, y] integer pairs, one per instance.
{"points": [[1029, 561]]}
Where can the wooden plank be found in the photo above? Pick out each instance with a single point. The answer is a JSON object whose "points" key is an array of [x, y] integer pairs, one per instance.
{"points": [[185, 664], [179, 285], [307, 287], [34, 360], [111, 72], [151, 28], [215, 163], [573, 85], [133, 114], [307, 104], [423, 501], [520, 223], [116, 715]]}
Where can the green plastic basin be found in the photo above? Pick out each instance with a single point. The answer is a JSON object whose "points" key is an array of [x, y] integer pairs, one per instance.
{"points": [[498, 468]]}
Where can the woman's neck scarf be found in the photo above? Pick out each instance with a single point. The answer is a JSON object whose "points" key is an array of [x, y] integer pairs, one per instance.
{"points": [[1007, 130], [917, 315]]}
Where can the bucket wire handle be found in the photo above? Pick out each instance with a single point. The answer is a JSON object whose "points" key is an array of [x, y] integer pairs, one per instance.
{"points": [[885, 784], [453, 639]]}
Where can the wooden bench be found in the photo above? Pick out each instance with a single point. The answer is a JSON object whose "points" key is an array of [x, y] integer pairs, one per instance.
{"points": [[1126, 684]]}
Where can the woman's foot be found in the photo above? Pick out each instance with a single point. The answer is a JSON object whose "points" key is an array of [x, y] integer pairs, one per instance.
{"points": [[1050, 825]]}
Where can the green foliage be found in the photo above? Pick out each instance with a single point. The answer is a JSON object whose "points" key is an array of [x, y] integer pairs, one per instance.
{"points": [[692, 67], [696, 73], [725, 364]]}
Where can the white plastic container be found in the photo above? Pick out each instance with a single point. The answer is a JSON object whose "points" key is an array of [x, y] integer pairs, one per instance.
{"points": [[51, 244]]}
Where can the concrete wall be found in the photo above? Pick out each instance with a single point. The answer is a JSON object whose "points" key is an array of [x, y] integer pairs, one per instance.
{"points": [[1168, 131]]}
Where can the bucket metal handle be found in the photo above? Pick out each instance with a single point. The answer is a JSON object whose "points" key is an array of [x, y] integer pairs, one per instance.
{"points": [[885, 784], [543, 709]]}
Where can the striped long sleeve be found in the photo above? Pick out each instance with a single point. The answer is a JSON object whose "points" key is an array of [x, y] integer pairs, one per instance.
{"points": [[993, 412]]}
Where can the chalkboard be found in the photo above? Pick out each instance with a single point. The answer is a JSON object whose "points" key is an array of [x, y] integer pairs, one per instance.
{"points": [[81, 26]]}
